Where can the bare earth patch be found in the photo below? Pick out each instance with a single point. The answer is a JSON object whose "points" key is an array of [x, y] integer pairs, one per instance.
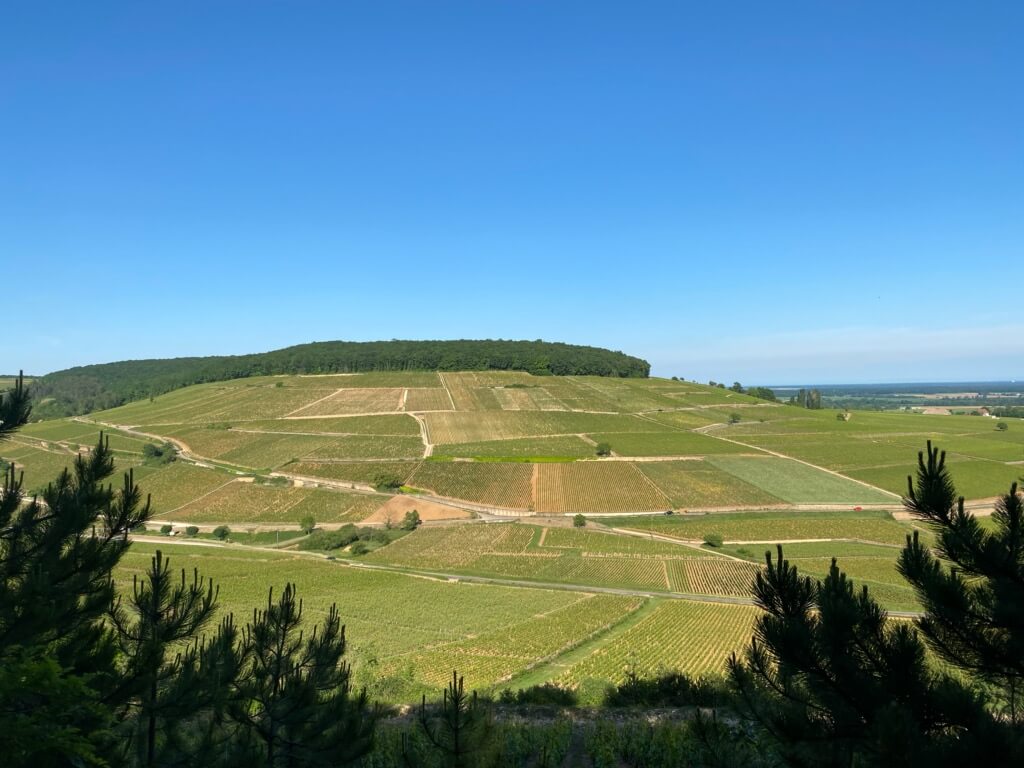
{"points": [[397, 506]]}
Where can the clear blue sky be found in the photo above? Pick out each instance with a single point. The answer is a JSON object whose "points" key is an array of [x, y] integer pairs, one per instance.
{"points": [[769, 192]]}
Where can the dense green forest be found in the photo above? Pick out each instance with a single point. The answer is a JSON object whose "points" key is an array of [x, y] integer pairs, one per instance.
{"points": [[93, 387]]}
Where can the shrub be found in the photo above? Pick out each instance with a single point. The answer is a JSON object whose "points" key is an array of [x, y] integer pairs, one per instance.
{"points": [[166, 529], [164, 453], [276, 480], [579, 521], [359, 548], [387, 481], [669, 689], [713, 539], [376, 536], [319, 540], [603, 449], [411, 521], [546, 694], [307, 524], [1002, 426], [734, 418], [221, 532], [191, 530]]}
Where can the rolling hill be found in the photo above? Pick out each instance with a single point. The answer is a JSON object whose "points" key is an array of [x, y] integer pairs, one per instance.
{"points": [[91, 387], [269, 449]]}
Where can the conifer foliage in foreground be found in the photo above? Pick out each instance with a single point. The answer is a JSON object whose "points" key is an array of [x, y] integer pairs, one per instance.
{"points": [[90, 678], [836, 682]]}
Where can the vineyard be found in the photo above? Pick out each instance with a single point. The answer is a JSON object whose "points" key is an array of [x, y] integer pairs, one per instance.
{"points": [[241, 502], [694, 638], [368, 447], [495, 656], [712, 577], [798, 483], [435, 399], [176, 485], [470, 427], [364, 472], [506, 485], [569, 556], [339, 426], [396, 622], [689, 484], [666, 444], [596, 486], [345, 401], [566, 446], [881, 448], [331, 426], [774, 526]]}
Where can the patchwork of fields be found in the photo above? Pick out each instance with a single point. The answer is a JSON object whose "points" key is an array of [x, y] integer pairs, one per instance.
{"points": [[404, 631], [407, 633], [881, 448], [628, 592], [513, 442], [569, 556]]}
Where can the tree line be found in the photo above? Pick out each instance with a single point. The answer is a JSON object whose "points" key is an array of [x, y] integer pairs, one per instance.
{"points": [[141, 675], [807, 398], [94, 387]]}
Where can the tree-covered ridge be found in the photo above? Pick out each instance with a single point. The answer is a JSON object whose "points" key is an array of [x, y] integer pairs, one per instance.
{"points": [[95, 387]]}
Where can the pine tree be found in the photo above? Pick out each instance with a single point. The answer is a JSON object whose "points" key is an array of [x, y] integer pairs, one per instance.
{"points": [[972, 586], [170, 697], [460, 730], [837, 684], [57, 553], [87, 679], [293, 700]]}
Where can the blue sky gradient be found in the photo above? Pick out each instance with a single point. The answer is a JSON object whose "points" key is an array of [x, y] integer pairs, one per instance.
{"points": [[826, 192]]}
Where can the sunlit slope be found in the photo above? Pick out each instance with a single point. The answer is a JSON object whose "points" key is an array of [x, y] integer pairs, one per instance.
{"points": [[514, 442]]}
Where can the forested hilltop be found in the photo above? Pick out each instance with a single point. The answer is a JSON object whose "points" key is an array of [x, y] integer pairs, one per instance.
{"points": [[93, 387]]}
